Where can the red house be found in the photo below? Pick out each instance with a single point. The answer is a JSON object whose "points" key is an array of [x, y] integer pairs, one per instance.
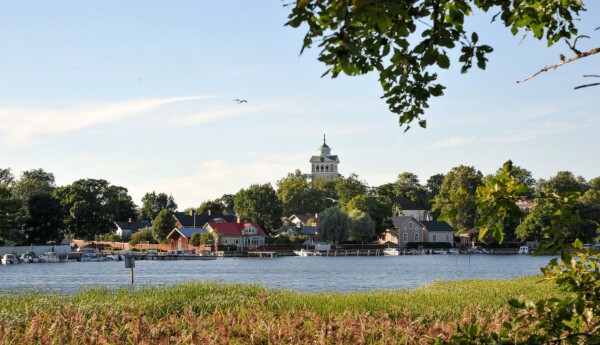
{"points": [[241, 234]]}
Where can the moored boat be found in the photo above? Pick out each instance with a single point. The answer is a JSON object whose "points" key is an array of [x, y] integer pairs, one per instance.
{"points": [[93, 257], [391, 252], [49, 257], [28, 257], [8, 259], [302, 252]]}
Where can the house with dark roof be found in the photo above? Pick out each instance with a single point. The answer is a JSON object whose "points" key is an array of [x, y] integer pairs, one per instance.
{"points": [[125, 229], [292, 230], [439, 231], [244, 235], [183, 220], [406, 207], [180, 237], [408, 229], [301, 219]]}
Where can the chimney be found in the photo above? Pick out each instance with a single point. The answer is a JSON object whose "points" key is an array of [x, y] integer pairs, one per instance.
{"points": [[130, 220], [209, 212], [316, 216], [239, 220], [193, 217]]}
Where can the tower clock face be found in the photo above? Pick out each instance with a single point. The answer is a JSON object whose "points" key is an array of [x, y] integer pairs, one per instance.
{"points": [[322, 159]]}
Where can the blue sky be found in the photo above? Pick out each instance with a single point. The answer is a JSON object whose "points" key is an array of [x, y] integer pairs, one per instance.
{"points": [[140, 93]]}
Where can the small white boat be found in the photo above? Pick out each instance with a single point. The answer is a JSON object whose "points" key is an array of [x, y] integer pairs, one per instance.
{"points": [[524, 250], [28, 257], [453, 251], [391, 252], [92, 257], [8, 259], [302, 252], [49, 257]]}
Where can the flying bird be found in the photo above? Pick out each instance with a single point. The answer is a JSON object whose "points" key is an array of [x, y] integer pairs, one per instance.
{"points": [[240, 101]]}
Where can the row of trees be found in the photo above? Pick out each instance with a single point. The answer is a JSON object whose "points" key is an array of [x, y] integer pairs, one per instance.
{"points": [[35, 210]]}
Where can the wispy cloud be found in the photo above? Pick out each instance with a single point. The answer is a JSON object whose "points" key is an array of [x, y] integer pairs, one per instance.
{"points": [[23, 126], [450, 142], [217, 114], [548, 128]]}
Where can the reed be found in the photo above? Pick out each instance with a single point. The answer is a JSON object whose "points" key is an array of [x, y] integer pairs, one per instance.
{"points": [[218, 313]]}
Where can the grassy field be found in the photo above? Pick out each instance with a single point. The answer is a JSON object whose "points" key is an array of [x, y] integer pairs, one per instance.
{"points": [[213, 313]]}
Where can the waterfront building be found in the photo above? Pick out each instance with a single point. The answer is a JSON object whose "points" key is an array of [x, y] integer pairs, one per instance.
{"points": [[324, 165], [408, 229]]}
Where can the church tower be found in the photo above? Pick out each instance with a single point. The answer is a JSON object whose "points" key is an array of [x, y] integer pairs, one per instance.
{"points": [[324, 165]]}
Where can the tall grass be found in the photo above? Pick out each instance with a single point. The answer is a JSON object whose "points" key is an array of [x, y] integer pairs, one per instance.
{"points": [[196, 312]]}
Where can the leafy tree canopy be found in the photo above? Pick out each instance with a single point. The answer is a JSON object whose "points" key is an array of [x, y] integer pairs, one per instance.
{"points": [[565, 182], [259, 204], [326, 191], [9, 214], [162, 225], [378, 208], [457, 197], [227, 201], [142, 236], [214, 206], [153, 203], [405, 42], [33, 182], [297, 195], [407, 185], [349, 187], [201, 238], [363, 227], [334, 225], [6, 176], [90, 207], [45, 219]]}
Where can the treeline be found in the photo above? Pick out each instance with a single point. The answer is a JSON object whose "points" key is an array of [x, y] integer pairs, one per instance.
{"points": [[34, 210]]}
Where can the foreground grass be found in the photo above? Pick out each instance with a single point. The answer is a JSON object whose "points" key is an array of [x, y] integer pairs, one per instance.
{"points": [[217, 313]]}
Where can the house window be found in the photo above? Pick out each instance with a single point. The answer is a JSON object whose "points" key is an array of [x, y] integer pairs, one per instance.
{"points": [[434, 238], [404, 228], [447, 238], [237, 241], [417, 237], [410, 226], [405, 237]]}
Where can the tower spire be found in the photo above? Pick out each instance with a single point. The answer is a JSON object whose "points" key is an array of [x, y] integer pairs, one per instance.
{"points": [[324, 138]]}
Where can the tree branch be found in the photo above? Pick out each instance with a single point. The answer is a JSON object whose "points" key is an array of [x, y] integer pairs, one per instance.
{"points": [[564, 62], [588, 85]]}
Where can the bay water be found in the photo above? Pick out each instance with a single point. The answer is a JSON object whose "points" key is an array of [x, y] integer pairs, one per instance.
{"points": [[303, 274]]}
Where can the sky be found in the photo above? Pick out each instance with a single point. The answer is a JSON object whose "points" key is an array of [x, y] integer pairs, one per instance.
{"points": [[139, 93]]}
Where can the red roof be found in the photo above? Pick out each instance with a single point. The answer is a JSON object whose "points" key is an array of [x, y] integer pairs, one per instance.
{"points": [[235, 229]]}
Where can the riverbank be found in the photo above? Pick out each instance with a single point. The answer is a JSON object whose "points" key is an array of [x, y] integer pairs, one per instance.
{"points": [[223, 313]]}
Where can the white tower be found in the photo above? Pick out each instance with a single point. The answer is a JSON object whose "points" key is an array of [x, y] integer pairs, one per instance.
{"points": [[324, 165]]}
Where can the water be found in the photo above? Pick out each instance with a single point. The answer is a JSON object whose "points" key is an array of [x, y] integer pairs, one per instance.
{"points": [[305, 274]]}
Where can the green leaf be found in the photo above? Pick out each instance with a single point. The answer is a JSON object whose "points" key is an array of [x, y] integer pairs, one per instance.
{"points": [[443, 61]]}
